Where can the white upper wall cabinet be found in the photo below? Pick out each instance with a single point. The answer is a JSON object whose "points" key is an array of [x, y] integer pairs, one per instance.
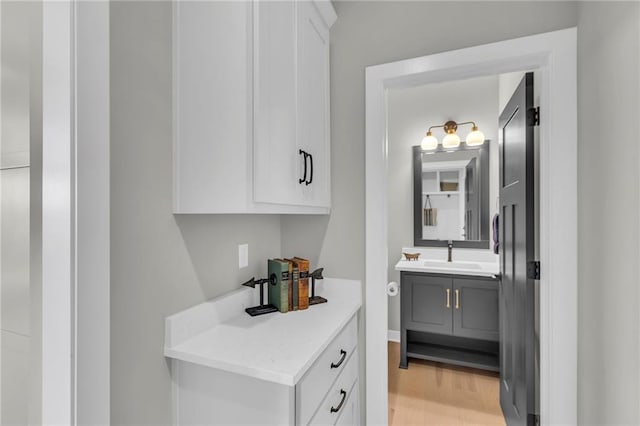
{"points": [[251, 107]]}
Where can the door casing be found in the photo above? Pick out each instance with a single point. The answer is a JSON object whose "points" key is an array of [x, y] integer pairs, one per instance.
{"points": [[554, 55], [75, 213]]}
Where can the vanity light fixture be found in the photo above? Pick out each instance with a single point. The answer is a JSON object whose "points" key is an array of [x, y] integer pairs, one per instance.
{"points": [[429, 141], [451, 139]]}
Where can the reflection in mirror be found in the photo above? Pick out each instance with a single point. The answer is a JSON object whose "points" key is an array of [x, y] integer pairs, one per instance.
{"points": [[451, 196]]}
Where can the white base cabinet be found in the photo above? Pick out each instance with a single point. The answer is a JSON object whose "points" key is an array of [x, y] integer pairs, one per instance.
{"points": [[208, 396], [326, 395], [251, 107], [298, 368]]}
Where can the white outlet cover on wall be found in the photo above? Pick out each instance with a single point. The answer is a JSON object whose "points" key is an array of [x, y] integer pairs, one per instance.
{"points": [[243, 255]]}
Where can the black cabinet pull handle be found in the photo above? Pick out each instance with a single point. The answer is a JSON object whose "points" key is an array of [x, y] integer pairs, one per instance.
{"points": [[311, 167], [344, 396], [344, 355], [304, 178]]}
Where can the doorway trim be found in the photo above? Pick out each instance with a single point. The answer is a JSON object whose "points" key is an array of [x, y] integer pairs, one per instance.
{"points": [[555, 55], [75, 213]]}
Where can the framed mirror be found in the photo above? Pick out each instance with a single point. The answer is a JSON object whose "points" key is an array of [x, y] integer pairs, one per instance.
{"points": [[451, 196]]}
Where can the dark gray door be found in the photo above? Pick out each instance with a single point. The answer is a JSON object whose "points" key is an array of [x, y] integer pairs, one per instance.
{"points": [[475, 308], [517, 338]]}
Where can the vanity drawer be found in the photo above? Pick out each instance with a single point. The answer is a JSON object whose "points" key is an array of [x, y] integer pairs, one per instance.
{"points": [[317, 381], [339, 398]]}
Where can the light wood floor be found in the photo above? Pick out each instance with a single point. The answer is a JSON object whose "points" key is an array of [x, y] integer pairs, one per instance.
{"points": [[430, 393]]}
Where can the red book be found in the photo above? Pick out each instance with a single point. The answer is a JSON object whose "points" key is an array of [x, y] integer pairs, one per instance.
{"points": [[303, 282]]}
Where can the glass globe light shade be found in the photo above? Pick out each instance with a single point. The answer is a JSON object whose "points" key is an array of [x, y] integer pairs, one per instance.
{"points": [[475, 138], [451, 140], [429, 142]]}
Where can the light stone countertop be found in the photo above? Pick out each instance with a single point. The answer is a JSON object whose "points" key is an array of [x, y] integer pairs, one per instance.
{"points": [[274, 347]]}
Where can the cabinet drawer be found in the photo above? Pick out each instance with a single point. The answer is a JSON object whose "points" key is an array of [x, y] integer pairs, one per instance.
{"points": [[338, 398], [350, 413], [317, 381]]}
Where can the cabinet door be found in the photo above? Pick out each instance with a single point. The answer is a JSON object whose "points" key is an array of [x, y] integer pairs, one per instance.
{"points": [[313, 104], [212, 106], [475, 313], [276, 160], [427, 303]]}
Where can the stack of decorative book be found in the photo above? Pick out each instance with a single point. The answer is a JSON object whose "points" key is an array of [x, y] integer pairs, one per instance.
{"points": [[289, 284]]}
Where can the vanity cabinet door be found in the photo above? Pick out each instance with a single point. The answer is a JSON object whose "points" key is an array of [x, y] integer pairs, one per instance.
{"points": [[475, 308], [427, 303]]}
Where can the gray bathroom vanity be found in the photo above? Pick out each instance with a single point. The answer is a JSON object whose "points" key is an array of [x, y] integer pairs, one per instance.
{"points": [[449, 317], [449, 304]]}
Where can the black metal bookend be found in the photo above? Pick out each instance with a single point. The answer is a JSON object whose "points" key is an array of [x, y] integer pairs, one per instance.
{"points": [[316, 275], [262, 308]]}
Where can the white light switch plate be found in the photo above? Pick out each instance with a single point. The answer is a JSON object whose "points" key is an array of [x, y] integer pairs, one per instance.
{"points": [[243, 255]]}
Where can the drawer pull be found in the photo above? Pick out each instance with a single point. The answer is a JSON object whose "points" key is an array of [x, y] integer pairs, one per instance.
{"points": [[344, 396], [344, 355], [304, 178]]}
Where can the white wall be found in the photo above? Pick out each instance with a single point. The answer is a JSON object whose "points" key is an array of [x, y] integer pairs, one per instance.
{"points": [[608, 202], [410, 112], [160, 263]]}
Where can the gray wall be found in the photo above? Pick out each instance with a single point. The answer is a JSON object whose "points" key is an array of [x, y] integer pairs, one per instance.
{"points": [[35, 216], [609, 295], [160, 263], [410, 112], [370, 33], [20, 329]]}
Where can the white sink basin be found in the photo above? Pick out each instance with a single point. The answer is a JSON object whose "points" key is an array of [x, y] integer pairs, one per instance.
{"points": [[451, 265], [489, 269]]}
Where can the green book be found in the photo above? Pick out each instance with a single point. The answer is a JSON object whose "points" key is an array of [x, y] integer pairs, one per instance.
{"points": [[279, 284]]}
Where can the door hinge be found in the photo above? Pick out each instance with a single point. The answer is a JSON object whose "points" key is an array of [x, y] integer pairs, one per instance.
{"points": [[533, 420], [533, 270], [534, 116]]}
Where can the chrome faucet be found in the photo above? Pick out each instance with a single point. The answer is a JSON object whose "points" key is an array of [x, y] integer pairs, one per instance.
{"points": [[450, 249]]}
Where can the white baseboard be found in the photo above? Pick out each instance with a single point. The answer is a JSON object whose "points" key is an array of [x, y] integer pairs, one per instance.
{"points": [[393, 335]]}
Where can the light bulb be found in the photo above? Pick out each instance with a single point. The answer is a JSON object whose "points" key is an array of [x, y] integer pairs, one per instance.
{"points": [[476, 137], [451, 140], [429, 142]]}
